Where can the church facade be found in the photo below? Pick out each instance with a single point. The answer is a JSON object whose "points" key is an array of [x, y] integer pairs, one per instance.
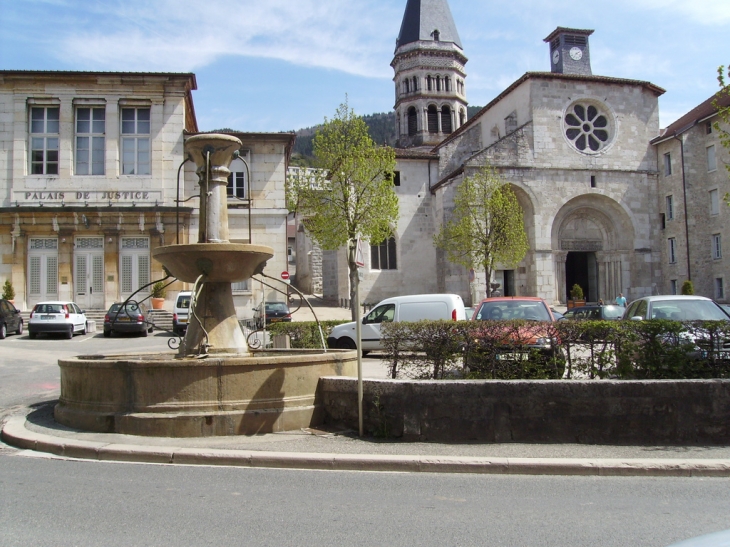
{"points": [[575, 147]]}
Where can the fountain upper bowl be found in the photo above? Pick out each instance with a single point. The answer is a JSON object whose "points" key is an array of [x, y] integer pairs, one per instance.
{"points": [[217, 262]]}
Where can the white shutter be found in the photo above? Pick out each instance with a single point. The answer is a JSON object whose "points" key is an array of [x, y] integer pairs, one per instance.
{"points": [[143, 266], [80, 280], [35, 275], [97, 281], [51, 275], [126, 274]]}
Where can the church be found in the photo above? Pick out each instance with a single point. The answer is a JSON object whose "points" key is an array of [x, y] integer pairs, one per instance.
{"points": [[580, 151]]}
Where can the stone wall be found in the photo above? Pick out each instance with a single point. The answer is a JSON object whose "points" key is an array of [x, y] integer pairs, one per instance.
{"points": [[683, 412]]}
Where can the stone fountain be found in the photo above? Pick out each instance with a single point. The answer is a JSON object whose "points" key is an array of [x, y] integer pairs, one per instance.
{"points": [[214, 385]]}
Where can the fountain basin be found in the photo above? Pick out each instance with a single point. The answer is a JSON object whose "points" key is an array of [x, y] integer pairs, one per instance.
{"points": [[218, 262], [165, 396]]}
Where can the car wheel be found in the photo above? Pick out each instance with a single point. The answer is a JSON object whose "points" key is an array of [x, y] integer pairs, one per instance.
{"points": [[145, 332], [3, 331], [107, 333], [20, 328], [86, 326], [346, 343], [151, 329], [32, 334], [70, 333]]}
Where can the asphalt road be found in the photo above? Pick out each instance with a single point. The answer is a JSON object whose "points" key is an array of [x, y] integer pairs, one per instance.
{"points": [[47, 501]]}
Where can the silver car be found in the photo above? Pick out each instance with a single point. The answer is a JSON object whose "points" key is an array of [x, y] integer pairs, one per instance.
{"points": [[676, 308], [56, 317]]}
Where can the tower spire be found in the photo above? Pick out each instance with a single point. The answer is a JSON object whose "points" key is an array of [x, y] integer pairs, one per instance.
{"points": [[429, 75]]}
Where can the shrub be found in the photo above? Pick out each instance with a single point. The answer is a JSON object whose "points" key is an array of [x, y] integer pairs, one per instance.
{"points": [[576, 292], [688, 287], [158, 290], [8, 290], [304, 334]]}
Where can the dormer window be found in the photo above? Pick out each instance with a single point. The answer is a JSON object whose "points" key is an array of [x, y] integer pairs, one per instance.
{"points": [[436, 35]]}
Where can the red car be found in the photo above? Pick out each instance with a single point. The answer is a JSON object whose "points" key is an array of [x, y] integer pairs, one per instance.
{"points": [[522, 340]]}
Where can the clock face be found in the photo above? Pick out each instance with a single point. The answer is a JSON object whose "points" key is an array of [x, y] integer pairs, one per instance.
{"points": [[576, 53], [556, 57]]}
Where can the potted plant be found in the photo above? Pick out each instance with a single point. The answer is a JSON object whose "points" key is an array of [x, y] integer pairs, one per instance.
{"points": [[577, 297], [9, 292], [158, 295]]}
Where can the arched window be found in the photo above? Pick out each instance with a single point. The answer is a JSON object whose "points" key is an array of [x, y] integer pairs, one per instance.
{"points": [[406, 85], [383, 256], [462, 117], [447, 83], [429, 83], [446, 119], [433, 119], [237, 180], [415, 84], [412, 121], [438, 83], [436, 35]]}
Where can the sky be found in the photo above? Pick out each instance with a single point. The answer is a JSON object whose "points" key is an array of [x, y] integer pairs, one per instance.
{"points": [[281, 65]]}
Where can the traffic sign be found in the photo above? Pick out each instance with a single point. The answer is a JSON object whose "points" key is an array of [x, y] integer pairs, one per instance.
{"points": [[285, 276]]}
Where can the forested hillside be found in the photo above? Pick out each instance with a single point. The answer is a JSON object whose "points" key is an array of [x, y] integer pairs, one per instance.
{"points": [[381, 127]]}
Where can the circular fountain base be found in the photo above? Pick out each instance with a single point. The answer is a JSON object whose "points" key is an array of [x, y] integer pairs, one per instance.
{"points": [[165, 396]]}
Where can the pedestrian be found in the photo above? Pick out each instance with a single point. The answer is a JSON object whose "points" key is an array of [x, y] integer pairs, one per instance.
{"points": [[620, 300], [600, 301]]}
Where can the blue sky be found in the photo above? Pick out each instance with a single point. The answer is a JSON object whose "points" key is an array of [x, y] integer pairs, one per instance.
{"points": [[278, 65]]}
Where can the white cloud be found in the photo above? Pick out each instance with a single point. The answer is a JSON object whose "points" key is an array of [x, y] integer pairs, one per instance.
{"points": [[183, 35], [706, 12]]}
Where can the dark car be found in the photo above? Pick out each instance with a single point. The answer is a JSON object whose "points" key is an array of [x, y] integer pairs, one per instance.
{"points": [[275, 312], [606, 312], [10, 320], [132, 318]]}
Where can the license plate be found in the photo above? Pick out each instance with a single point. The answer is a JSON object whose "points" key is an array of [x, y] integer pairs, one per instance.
{"points": [[274, 319], [512, 356], [181, 320], [47, 317], [123, 319]]}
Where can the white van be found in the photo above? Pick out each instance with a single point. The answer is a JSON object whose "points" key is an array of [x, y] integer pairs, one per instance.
{"points": [[181, 312], [399, 308]]}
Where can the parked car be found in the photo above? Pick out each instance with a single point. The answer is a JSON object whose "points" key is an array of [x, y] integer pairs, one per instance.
{"points": [[685, 308], [132, 318], [414, 307], [677, 308], [181, 312], [606, 312], [59, 317], [275, 313], [520, 343], [10, 319]]}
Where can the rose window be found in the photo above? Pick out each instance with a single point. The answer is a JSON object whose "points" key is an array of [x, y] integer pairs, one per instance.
{"points": [[587, 127]]}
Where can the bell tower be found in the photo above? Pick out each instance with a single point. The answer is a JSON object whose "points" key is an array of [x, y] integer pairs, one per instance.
{"points": [[430, 93]]}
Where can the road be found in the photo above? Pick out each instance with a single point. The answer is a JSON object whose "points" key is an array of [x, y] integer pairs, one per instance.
{"points": [[49, 501]]}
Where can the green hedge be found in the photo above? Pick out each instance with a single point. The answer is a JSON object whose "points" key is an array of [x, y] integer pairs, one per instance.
{"points": [[653, 349]]}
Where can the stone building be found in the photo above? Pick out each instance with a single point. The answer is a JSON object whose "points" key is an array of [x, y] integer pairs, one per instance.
{"points": [[693, 183], [89, 170], [575, 148]]}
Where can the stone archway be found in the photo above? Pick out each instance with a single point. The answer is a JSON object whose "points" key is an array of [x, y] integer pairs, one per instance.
{"points": [[592, 242]]}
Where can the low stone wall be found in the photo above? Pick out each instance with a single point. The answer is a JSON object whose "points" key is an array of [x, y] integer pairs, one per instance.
{"points": [[675, 412]]}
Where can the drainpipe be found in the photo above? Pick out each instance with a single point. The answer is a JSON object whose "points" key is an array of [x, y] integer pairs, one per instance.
{"points": [[684, 193]]}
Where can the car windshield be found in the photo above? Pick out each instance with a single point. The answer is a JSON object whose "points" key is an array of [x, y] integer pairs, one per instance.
{"points": [[183, 302], [130, 308], [502, 310], [687, 310], [50, 308], [613, 312], [276, 307]]}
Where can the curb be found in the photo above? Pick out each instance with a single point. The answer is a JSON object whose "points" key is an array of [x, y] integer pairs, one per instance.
{"points": [[15, 433]]}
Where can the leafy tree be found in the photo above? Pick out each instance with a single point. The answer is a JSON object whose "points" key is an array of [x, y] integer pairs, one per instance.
{"points": [[487, 227], [351, 195]]}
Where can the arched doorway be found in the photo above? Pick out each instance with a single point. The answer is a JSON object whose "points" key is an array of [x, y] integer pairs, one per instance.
{"points": [[593, 241]]}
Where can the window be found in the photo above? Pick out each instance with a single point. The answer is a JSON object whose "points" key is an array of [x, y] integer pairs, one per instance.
{"points": [[135, 141], [44, 130], [711, 163], [236, 187], [90, 130], [407, 85], [382, 257], [588, 126], [438, 83], [593, 181], [667, 164], [241, 286], [436, 35], [708, 128], [670, 207], [396, 178], [673, 286], [662, 221], [672, 250], [415, 84], [429, 84], [714, 202], [447, 83], [412, 122], [719, 289], [716, 246], [446, 120], [433, 119]]}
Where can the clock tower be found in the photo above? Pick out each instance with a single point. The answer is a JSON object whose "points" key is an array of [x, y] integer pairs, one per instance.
{"points": [[569, 52], [430, 93]]}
